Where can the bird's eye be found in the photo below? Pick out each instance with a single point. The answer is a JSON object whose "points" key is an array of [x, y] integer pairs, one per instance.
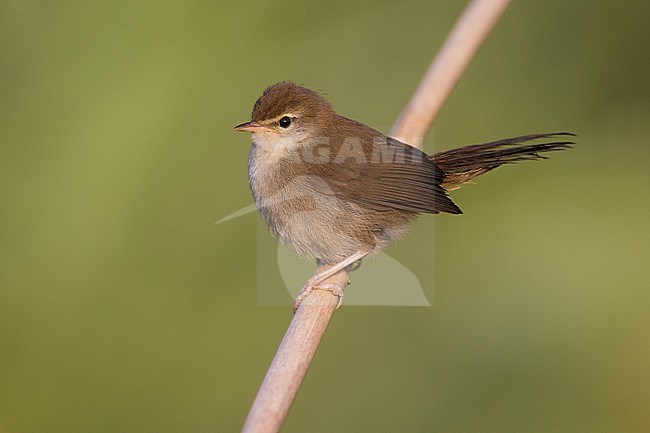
{"points": [[285, 122]]}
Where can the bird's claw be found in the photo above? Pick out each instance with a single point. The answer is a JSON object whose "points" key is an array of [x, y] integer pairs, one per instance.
{"points": [[311, 286]]}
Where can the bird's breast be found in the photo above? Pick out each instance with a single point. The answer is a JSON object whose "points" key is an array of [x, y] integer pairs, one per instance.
{"points": [[314, 223]]}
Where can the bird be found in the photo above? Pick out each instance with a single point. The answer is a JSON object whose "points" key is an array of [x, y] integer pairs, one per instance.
{"points": [[337, 190]]}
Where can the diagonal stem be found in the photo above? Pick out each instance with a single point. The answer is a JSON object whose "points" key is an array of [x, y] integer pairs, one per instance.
{"points": [[462, 44]]}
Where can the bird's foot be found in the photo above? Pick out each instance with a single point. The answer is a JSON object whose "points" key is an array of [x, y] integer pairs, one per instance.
{"points": [[312, 285]]}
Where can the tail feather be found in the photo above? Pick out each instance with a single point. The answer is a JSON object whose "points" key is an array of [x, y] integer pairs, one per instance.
{"points": [[463, 164]]}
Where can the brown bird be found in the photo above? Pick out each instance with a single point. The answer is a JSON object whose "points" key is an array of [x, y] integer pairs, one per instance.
{"points": [[337, 190]]}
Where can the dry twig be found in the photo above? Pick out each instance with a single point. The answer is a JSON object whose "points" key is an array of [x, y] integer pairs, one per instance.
{"points": [[292, 359], [469, 33]]}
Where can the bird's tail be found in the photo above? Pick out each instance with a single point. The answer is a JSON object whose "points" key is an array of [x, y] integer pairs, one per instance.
{"points": [[463, 164]]}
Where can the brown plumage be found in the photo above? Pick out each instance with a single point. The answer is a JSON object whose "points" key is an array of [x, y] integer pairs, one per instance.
{"points": [[463, 164], [330, 186]]}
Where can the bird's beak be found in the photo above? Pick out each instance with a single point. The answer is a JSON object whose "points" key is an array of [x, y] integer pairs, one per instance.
{"points": [[252, 127]]}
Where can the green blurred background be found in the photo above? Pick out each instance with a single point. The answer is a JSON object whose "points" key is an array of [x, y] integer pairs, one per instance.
{"points": [[124, 308]]}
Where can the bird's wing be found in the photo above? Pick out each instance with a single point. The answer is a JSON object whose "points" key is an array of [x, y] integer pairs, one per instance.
{"points": [[388, 175]]}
